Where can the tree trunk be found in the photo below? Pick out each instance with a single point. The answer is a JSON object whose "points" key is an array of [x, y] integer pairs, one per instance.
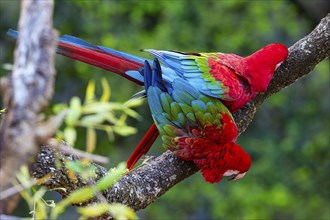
{"points": [[26, 92]]}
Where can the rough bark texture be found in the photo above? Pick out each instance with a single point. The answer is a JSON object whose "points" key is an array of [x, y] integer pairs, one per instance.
{"points": [[26, 91], [144, 185]]}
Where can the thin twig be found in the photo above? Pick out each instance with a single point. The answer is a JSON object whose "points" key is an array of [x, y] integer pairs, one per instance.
{"points": [[17, 188], [20, 187], [75, 152]]}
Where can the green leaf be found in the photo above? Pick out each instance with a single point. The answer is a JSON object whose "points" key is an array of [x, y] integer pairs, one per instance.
{"points": [[110, 117], [40, 206], [83, 168], [74, 166], [78, 196], [94, 210], [90, 92], [102, 107], [57, 108], [70, 135], [106, 90], [109, 131], [112, 177], [2, 111], [132, 113], [24, 176], [91, 140], [74, 111], [120, 211], [117, 211], [132, 103], [92, 120], [122, 120], [124, 130], [40, 210], [75, 102]]}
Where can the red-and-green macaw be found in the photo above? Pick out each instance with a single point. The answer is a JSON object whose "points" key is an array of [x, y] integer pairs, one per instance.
{"points": [[218, 76], [195, 126]]}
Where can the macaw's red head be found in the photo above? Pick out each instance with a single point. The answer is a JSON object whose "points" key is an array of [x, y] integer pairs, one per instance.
{"points": [[258, 68], [228, 160]]}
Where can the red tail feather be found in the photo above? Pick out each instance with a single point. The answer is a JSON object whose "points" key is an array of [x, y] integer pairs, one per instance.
{"points": [[100, 59], [143, 147], [119, 65]]}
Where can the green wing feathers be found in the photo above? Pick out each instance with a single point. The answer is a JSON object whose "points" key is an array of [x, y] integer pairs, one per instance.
{"points": [[183, 111]]}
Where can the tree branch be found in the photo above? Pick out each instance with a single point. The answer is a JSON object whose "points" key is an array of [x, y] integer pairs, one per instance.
{"points": [[144, 185], [304, 55], [26, 91]]}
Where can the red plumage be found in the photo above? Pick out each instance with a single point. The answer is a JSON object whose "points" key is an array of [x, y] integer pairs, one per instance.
{"points": [[229, 160], [213, 150]]}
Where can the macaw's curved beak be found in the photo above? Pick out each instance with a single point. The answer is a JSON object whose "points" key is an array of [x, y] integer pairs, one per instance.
{"points": [[236, 176]]}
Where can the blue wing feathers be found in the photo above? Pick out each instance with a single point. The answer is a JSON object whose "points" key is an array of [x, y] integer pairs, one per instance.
{"points": [[135, 74], [156, 76], [147, 73], [154, 101], [181, 84]]}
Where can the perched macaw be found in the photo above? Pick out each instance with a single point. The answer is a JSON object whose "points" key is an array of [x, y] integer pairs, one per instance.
{"points": [[228, 77], [196, 127]]}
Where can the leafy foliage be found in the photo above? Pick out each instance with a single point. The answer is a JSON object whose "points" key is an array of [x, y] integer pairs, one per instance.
{"points": [[85, 194], [48, 209], [96, 114]]}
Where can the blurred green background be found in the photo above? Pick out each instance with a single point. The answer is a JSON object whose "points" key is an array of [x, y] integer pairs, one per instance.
{"points": [[289, 137]]}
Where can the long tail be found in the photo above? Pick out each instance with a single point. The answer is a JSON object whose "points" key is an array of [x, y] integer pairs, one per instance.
{"points": [[115, 61], [118, 62]]}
